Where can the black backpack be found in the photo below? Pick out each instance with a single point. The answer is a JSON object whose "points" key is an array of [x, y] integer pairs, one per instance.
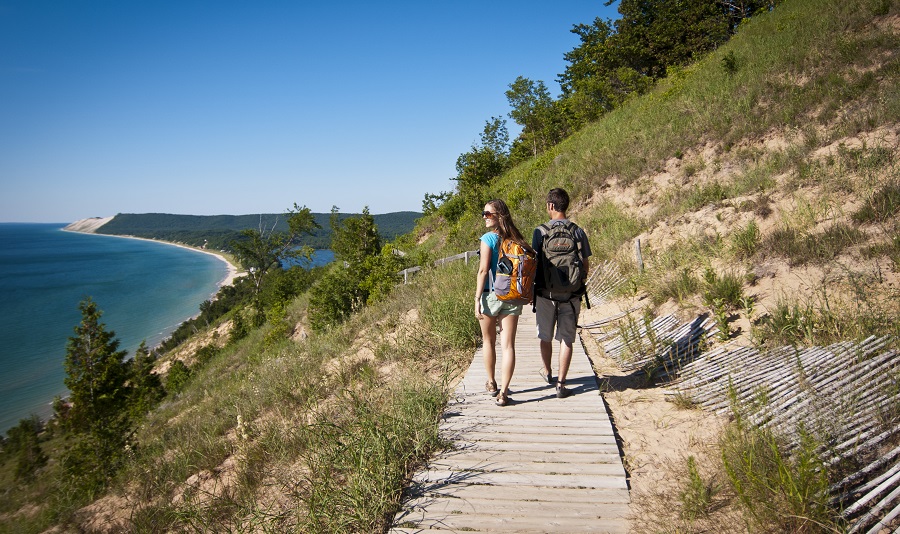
{"points": [[561, 260]]}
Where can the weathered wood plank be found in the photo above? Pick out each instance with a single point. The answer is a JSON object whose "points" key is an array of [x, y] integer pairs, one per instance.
{"points": [[518, 507]]}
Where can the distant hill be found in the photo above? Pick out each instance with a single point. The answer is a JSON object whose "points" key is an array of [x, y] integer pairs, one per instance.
{"points": [[217, 231]]}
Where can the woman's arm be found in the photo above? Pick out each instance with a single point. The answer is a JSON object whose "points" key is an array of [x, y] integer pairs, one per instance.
{"points": [[484, 268]]}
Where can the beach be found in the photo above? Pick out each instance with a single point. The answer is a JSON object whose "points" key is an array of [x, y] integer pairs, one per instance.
{"points": [[91, 225]]}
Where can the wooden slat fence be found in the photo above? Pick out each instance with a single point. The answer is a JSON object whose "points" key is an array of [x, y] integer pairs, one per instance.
{"points": [[846, 394], [659, 346], [437, 263]]}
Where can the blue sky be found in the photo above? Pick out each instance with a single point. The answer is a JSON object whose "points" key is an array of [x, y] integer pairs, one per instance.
{"points": [[236, 107]]}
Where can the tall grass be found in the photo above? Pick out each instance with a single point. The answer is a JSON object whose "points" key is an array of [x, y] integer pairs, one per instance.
{"points": [[312, 436]]}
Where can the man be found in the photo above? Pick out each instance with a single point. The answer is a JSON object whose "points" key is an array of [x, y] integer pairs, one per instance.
{"points": [[562, 250]]}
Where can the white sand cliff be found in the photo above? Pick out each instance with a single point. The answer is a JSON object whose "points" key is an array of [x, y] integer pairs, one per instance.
{"points": [[88, 226]]}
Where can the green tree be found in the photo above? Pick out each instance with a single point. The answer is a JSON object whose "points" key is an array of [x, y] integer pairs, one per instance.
{"points": [[261, 250], [22, 442], [146, 387], [95, 373], [487, 160], [534, 110], [354, 238], [382, 273], [363, 271]]}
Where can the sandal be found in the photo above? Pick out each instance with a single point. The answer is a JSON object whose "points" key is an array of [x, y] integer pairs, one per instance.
{"points": [[545, 377], [491, 387], [561, 390], [503, 399]]}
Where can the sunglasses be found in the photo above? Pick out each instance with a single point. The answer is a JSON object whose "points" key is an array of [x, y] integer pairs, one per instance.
{"points": [[488, 214]]}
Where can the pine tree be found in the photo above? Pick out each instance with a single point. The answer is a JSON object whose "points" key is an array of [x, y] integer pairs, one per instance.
{"points": [[95, 373]]}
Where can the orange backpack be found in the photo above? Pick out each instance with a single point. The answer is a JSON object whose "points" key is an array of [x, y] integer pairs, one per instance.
{"points": [[516, 269]]}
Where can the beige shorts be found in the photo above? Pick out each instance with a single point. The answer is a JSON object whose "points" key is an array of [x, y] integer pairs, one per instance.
{"points": [[559, 316]]}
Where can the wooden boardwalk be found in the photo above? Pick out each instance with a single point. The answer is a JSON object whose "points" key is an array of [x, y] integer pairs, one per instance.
{"points": [[540, 464]]}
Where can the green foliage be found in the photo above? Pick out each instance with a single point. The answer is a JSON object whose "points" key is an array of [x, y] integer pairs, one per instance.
{"points": [[432, 202], [368, 276], [282, 286], [23, 444], [178, 377], [780, 492], [95, 373], [451, 318], [354, 239], [228, 298], [146, 386], [358, 463], [240, 327], [382, 274], [263, 250], [101, 405], [533, 109], [696, 496], [722, 290], [334, 297], [730, 63], [823, 318], [476, 169], [679, 286]]}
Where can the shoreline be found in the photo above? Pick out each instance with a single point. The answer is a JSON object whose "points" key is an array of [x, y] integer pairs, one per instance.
{"points": [[231, 270]]}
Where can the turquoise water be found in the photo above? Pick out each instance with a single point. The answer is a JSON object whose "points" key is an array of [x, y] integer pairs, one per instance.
{"points": [[144, 288]]}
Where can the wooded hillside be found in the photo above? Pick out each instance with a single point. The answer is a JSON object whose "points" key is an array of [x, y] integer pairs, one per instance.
{"points": [[217, 231]]}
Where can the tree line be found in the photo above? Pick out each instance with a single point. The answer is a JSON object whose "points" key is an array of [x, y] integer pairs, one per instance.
{"points": [[218, 232], [614, 61]]}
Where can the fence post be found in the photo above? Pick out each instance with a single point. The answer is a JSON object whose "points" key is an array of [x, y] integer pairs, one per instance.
{"points": [[637, 255]]}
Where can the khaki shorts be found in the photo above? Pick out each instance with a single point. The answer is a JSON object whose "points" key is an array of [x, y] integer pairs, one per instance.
{"points": [[561, 316], [492, 306]]}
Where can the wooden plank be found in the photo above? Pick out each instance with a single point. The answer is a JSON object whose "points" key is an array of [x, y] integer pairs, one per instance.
{"points": [[522, 492], [511, 479], [582, 458], [514, 507], [506, 523], [552, 468]]}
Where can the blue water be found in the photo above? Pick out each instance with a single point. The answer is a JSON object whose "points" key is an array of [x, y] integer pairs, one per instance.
{"points": [[144, 288]]}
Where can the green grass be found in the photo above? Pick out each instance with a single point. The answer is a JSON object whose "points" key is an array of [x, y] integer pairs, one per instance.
{"points": [[800, 247], [882, 206], [779, 492], [745, 242], [330, 432]]}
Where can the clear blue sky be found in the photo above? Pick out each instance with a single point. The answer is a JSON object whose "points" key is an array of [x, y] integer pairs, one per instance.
{"points": [[236, 107]]}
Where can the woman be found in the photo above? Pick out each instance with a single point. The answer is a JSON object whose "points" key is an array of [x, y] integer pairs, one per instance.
{"points": [[488, 308]]}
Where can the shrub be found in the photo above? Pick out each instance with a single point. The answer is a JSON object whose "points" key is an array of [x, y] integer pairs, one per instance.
{"points": [[178, 377], [723, 291]]}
